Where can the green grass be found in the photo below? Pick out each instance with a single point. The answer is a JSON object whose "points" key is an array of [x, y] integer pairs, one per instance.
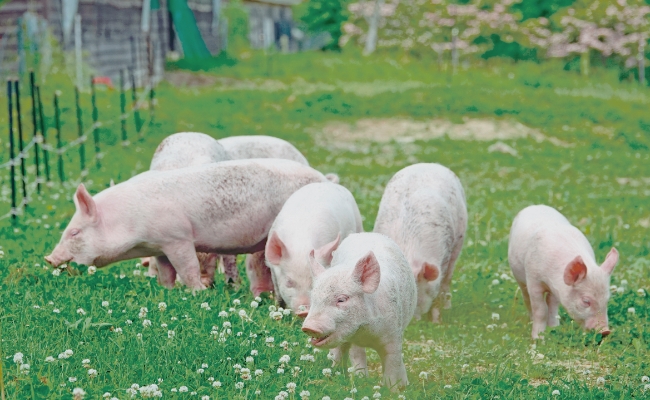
{"points": [[477, 356]]}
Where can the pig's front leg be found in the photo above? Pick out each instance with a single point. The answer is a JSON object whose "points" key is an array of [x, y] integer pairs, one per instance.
{"points": [[166, 271], [553, 305], [539, 309], [184, 260], [393, 366], [358, 360]]}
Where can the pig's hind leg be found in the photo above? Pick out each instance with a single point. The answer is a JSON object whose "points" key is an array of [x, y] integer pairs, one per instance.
{"points": [[184, 260], [230, 268], [553, 305], [166, 272]]}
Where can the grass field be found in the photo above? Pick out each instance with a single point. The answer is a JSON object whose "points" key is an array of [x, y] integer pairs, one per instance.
{"points": [[584, 150]]}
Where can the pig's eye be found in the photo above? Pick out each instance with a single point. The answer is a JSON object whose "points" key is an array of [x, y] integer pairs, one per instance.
{"points": [[586, 302], [341, 299], [74, 232]]}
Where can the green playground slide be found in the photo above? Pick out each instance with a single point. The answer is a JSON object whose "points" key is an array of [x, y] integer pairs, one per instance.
{"points": [[187, 30]]}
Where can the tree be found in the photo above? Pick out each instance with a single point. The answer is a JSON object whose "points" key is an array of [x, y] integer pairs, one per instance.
{"points": [[325, 16]]}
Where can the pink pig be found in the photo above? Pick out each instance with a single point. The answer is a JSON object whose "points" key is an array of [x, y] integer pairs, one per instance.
{"points": [[224, 208], [186, 149], [317, 216], [550, 257], [423, 210], [366, 298]]}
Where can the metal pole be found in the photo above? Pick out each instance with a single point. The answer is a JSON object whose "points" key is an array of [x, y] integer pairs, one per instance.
{"points": [[21, 143], [93, 98], [122, 107], [46, 153], [80, 130], [57, 124], [11, 151], [136, 113], [32, 85]]}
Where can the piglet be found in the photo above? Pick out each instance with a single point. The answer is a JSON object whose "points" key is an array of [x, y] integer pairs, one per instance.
{"points": [[423, 210], [316, 216], [224, 208], [549, 256], [365, 298], [260, 146]]}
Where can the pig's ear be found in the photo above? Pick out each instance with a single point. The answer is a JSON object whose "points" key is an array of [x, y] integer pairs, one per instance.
{"points": [[316, 268], [610, 261], [275, 249], [429, 272], [84, 202], [325, 252], [575, 271], [367, 273]]}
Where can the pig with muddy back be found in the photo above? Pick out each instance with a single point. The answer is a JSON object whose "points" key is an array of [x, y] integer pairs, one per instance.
{"points": [[317, 216], [366, 298], [554, 264], [224, 208], [423, 210]]}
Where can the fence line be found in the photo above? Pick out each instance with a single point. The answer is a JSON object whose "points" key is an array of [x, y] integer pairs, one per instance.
{"points": [[37, 140]]}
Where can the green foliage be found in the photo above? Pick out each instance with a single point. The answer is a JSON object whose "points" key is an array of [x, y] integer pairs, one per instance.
{"points": [[324, 16], [237, 15], [596, 175], [540, 8]]}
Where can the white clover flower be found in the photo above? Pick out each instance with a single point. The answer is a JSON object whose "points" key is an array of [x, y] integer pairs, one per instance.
{"points": [[327, 372], [620, 290], [305, 394], [285, 359], [641, 292], [270, 339], [600, 380], [216, 384], [555, 392], [78, 393], [423, 375], [81, 311], [24, 369], [645, 379], [287, 311], [447, 386], [377, 395], [72, 379], [205, 398], [272, 308], [85, 362], [624, 282], [258, 372], [56, 272], [495, 282], [137, 272], [223, 314], [118, 330], [227, 324], [254, 304], [646, 388], [91, 270], [239, 385], [105, 303], [183, 389], [68, 353], [146, 323], [242, 313], [495, 316], [162, 306], [353, 390], [205, 306], [92, 373], [539, 356], [106, 395], [258, 392], [245, 374], [237, 367], [276, 315], [250, 360], [236, 302], [326, 398], [143, 312], [139, 335], [18, 358], [50, 359], [291, 387], [631, 310], [254, 353], [307, 357], [163, 325], [56, 311], [200, 371], [128, 322], [280, 370]]}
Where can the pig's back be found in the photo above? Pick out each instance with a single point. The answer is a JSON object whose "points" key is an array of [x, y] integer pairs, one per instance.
{"points": [[186, 149], [259, 146], [396, 295]]}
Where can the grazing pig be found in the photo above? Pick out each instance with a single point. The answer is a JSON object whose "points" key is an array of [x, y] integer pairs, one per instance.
{"points": [[549, 256], [224, 208], [423, 210], [185, 149], [316, 216], [366, 298]]}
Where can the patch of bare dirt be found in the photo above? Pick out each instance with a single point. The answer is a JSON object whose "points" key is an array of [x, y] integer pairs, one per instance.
{"points": [[189, 79], [407, 131]]}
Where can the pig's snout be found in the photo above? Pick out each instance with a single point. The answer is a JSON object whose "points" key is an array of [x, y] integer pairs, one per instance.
{"points": [[50, 260], [312, 331], [605, 332]]}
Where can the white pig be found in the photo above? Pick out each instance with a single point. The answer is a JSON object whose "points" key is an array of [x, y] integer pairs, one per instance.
{"points": [[224, 208], [549, 256], [423, 210], [260, 146], [366, 298], [316, 216]]}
